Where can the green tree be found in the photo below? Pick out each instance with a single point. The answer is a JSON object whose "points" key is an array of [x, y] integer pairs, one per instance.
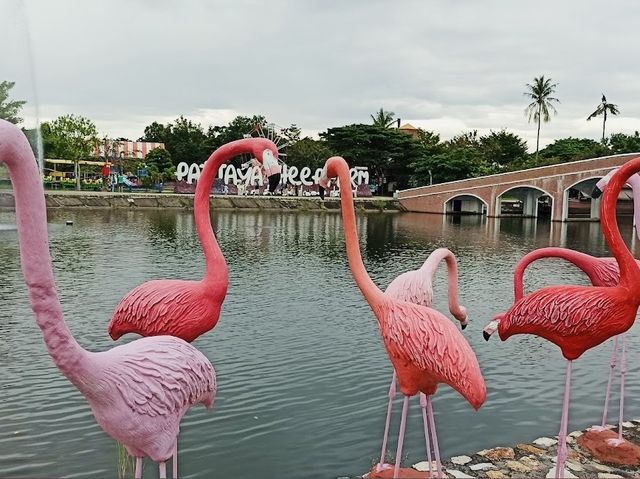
{"points": [[621, 143], [502, 149], [308, 152], [9, 110], [455, 159], [383, 118], [71, 137], [160, 158], [387, 153], [156, 133], [603, 108], [572, 149], [540, 92]]}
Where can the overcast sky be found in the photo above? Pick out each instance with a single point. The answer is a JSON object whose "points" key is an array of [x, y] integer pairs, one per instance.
{"points": [[447, 66]]}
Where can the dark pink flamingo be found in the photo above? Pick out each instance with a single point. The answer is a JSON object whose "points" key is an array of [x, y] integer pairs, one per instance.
{"points": [[187, 309], [577, 318]]}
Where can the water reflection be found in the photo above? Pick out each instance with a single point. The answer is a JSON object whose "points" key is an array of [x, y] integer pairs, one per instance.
{"points": [[302, 371]]}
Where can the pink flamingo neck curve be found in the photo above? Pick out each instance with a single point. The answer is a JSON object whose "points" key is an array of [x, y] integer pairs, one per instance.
{"points": [[601, 271], [37, 269], [216, 266], [336, 166], [629, 271], [417, 286]]}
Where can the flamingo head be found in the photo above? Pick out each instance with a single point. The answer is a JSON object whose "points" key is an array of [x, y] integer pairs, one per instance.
{"points": [[330, 170], [264, 150], [602, 184], [462, 317], [324, 178], [492, 327]]}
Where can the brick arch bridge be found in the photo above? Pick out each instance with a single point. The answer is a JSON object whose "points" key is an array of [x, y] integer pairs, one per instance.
{"points": [[484, 195]]}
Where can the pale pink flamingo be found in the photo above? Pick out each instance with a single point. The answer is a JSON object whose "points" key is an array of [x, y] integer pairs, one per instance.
{"points": [[187, 309], [138, 392], [577, 318], [425, 348], [416, 287], [601, 272]]}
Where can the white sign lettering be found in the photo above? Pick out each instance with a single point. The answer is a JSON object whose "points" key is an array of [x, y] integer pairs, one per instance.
{"points": [[253, 176]]}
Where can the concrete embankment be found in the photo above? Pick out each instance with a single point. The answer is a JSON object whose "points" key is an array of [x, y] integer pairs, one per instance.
{"points": [[589, 456], [83, 199]]}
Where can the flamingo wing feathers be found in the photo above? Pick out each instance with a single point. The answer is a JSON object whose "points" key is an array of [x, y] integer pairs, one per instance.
{"points": [[164, 307], [426, 339], [160, 375]]}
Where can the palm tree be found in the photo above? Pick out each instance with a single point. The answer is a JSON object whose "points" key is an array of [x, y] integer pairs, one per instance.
{"points": [[383, 118], [540, 92], [603, 109]]}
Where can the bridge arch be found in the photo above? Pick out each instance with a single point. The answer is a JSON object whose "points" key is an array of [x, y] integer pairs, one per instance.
{"points": [[466, 203], [528, 195], [577, 201]]}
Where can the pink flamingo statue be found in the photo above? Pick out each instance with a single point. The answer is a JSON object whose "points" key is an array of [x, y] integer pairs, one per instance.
{"points": [[601, 272], [187, 309], [138, 392], [577, 318], [417, 287], [424, 347]]}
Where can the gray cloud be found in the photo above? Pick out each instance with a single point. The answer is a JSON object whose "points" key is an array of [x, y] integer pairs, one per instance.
{"points": [[442, 65]]}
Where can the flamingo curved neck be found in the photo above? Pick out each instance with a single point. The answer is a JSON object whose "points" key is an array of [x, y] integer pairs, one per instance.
{"points": [[452, 276], [216, 266], [31, 218], [629, 271], [583, 261], [371, 292]]}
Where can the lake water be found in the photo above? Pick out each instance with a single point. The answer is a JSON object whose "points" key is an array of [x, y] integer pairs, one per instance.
{"points": [[303, 375]]}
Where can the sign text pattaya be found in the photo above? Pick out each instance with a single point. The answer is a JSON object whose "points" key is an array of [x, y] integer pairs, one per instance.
{"points": [[253, 175]]}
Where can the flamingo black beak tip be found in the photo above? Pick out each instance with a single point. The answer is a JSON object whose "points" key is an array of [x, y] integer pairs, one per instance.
{"points": [[486, 335], [595, 194]]}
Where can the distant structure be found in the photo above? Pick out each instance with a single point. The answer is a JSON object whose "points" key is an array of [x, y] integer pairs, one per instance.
{"points": [[409, 129], [119, 149]]}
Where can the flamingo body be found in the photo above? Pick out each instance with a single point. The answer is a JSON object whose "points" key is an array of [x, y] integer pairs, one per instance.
{"points": [[185, 309], [140, 391], [575, 318], [426, 349]]}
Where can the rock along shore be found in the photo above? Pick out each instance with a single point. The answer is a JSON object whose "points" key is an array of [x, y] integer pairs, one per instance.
{"points": [[588, 457], [98, 199]]}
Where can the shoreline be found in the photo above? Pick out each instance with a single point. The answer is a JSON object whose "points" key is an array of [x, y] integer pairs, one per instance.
{"points": [[103, 199], [588, 457]]}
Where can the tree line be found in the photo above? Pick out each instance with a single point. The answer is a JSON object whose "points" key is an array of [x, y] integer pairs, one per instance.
{"points": [[395, 159]]}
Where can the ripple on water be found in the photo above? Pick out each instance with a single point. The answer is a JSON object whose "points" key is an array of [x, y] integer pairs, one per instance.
{"points": [[302, 373]]}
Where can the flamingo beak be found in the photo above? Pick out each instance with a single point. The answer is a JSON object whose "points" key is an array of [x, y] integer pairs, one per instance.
{"points": [[486, 335], [490, 329], [596, 193], [464, 325], [324, 179]]}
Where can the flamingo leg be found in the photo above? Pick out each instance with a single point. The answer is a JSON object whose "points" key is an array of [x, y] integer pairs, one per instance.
{"points": [[174, 462], [138, 473], [623, 372], [612, 366], [403, 424], [564, 422], [392, 395], [436, 448], [163, 470], [423, 405]]}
